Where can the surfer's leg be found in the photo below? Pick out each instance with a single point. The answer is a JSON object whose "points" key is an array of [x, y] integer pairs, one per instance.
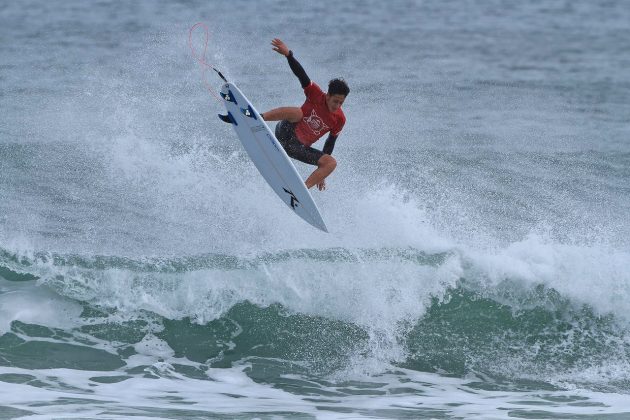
{"points": [[285, 133], [325, 165], [289, 113]]}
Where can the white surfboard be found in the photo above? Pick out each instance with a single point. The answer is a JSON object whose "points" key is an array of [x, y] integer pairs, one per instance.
{"points": [[267, 153]]}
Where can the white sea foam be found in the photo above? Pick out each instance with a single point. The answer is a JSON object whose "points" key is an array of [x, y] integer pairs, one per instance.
{"points": [[590, 274], [231, 392]]}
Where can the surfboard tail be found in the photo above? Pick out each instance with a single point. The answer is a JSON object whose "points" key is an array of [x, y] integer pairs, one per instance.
{"points": [[317, 222]]}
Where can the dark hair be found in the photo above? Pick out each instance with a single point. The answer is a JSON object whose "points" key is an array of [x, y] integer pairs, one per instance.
{"points": [[338, 87]]}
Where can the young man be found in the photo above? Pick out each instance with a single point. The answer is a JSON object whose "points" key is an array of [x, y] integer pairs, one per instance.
{"points": [[300, 127]]}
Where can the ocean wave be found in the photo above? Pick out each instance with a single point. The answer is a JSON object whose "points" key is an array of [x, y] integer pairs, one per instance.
{"points": [[511, 313]]}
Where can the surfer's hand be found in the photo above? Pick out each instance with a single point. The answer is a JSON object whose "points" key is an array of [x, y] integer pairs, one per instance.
{"points": [[280, 47], [321, 186]]}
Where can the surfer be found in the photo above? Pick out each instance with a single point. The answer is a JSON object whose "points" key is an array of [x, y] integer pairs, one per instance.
{"points": [[300, 127]]}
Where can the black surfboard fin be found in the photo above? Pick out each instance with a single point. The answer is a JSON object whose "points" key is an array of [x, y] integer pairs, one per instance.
{"points": [[229, 118], [229, 97], [249, 112]]}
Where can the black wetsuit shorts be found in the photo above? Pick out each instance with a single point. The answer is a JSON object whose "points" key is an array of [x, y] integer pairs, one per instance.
{"points": [[285, 133]]}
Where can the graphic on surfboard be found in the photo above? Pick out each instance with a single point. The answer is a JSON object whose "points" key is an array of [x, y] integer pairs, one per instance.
{"points": [[268, 156]]}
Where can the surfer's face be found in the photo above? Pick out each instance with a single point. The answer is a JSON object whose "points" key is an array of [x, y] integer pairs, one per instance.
{"points": [[334, 102]]}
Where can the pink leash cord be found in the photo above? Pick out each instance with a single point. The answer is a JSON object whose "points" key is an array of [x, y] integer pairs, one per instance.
{"points": [[202, 59]]}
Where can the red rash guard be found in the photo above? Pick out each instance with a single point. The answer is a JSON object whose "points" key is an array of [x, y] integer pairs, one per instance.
{"points": [[317, 119]]}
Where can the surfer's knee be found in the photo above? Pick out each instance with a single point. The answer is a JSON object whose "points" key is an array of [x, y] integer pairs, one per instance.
{"points": [[327, 161]]}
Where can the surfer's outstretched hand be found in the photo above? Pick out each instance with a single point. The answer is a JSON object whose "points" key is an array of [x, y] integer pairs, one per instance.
{"points": [[280, 47], [321, 186]]}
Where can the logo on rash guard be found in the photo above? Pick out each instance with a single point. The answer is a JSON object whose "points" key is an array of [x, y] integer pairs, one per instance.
{"points": [[315, 123]]}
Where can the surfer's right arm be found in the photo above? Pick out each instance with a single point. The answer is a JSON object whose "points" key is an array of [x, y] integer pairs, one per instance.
{"points": [[298, 70], [281, 48]]}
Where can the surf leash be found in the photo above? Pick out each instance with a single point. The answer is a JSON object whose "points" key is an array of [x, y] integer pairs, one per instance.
{"points": [[201, 59]]}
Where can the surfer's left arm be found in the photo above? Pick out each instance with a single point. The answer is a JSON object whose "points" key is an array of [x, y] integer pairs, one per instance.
{"points": [[330, 144], [333, 134]]}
